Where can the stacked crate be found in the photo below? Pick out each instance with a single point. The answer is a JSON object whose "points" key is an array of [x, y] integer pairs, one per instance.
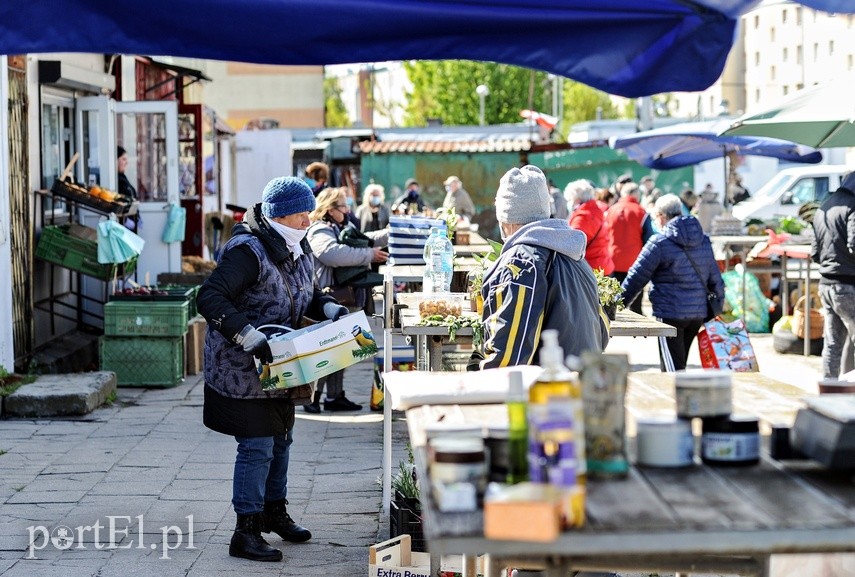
{"points": [[143, 339]]}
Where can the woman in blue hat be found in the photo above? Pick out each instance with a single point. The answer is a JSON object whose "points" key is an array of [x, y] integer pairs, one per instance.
{"points": [[263, 277]]}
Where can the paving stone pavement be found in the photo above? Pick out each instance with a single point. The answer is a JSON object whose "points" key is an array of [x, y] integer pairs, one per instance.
{"points": [[148, 463]]}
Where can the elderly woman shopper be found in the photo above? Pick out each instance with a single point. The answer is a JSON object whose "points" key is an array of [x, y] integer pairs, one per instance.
{"points": [[373, 213], [586, 215], [328, 238], [680, 265], [264, 277]]}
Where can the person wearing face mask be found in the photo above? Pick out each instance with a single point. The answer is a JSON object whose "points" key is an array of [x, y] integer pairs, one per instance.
{"points": [[457, 198], [540, 280], [329, 219], [264, 276], [410, 202], [373, 214]]}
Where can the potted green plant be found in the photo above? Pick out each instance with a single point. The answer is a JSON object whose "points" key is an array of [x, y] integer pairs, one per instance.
{"points": [[475, 278], [610, 293], [405, 512]]}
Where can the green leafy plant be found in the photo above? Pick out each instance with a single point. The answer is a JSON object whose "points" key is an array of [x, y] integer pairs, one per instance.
{"points": [[609, 291], [449, 215], [791, 224], [476, 276], [11, 382], [404, 481]]}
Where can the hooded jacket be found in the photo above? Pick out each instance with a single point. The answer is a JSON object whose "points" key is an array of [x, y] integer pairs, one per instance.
{"points": [[541, 281], [676, 292], [833, 246], [589, 218]]}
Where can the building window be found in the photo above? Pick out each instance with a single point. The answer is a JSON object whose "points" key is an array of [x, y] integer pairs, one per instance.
{"points": [[798, 16], [799, 55], [756, 22], [815, 51], [849, 62], [756, 95], [771, 73], [830, 47], [786, 90], [783, 16], [784, 57], [756, 59], [799, 86], [772, 34]]}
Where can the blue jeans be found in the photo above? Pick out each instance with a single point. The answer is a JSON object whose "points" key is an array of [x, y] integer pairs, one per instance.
{"points": [[261, 472], [838, 300]]}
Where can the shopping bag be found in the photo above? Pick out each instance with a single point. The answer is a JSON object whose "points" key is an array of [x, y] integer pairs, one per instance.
{"points": [[403, 359], [725, 345], [176, 222], [117, 244], [756, 309]]}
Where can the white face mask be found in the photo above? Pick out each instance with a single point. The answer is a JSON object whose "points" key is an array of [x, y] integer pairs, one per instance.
{"points": [[375, 201], [292, 236]]}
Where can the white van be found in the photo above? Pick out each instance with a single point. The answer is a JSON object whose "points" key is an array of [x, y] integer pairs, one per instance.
{"points": [[791, 188]]}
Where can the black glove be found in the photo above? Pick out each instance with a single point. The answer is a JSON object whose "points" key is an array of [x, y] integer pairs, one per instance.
{"points": [[254, 342], [334, 311]]}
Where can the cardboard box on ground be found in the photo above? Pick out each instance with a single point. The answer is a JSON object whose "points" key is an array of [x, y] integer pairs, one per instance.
{"points": [[393, 558], [305, 355]]}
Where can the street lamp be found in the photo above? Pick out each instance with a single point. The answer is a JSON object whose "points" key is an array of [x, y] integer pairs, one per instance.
{"points": [[482, 90]]}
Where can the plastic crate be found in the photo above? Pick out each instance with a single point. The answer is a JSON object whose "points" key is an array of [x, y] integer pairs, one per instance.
{"points": [[173, 294], [146, 318], [56, 245], [405, 519], [144, 361]]}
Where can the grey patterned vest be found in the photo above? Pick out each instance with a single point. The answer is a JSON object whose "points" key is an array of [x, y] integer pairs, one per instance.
{"points": [[280, 297]]}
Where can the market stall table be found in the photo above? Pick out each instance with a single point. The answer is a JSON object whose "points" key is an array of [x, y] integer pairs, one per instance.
{"points": [[802, 253], [701, 518]]}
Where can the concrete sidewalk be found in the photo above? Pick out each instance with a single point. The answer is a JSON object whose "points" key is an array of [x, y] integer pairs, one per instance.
{"points": [[148, 461]]}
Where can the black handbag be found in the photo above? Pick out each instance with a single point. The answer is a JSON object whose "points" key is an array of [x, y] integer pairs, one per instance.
{"points": [[357, 276], [715, 305]]}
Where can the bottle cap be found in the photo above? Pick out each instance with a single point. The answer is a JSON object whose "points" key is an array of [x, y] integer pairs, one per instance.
{"points": [[551, 354], [515, 389]]}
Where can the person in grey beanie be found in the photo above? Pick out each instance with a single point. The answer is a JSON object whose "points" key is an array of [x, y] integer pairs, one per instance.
{"points": [[540, 280], [264, 277]]}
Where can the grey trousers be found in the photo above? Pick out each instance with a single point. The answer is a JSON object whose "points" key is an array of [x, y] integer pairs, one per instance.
{"points": [[838, 301], [334, 384]]}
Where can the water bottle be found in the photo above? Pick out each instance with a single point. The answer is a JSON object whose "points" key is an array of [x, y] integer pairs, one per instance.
{"points": [[438, 257]]}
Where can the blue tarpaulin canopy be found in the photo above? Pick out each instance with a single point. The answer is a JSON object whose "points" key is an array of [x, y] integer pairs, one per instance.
{"points": [[624, 47], [689, 143]]}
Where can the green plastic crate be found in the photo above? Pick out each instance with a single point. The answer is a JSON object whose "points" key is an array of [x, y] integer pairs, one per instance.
{"points": [[56, 245], [146, 318], [173, 293], [144, 361]]}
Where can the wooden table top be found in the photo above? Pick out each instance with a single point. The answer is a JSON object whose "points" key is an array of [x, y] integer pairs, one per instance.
{"points": [[626, 324], [773, 507]]}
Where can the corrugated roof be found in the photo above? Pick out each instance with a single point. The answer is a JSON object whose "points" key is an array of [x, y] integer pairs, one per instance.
{"points": [[442, 146]]}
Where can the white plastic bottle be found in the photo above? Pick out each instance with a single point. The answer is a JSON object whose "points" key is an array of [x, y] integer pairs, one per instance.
{"points": [[439, 266]]}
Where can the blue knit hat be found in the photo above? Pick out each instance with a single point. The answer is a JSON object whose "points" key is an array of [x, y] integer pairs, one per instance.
{"points": [[286, 195]]}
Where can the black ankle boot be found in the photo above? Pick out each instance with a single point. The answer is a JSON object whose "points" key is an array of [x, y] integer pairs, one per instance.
{"points": [[277, 520], [247, 541], [315, 406]]}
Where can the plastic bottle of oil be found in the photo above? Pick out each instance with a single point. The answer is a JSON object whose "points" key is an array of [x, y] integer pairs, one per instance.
{"points": [[557, 381], [517, 430]]}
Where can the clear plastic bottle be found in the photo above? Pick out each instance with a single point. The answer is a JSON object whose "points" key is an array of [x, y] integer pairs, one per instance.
{"points": [[517, 430], [439, 265]]}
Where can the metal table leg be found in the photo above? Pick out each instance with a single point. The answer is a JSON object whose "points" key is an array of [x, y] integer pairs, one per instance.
{"points": [[434, 345]]}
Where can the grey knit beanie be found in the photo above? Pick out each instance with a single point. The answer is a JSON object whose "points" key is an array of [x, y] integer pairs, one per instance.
{"points": [[523, 196], [286, 195]]}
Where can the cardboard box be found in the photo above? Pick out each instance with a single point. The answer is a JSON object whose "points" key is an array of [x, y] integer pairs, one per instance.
{"points": [[393, 558], [539, 504], [194, 353], [305, 355]]}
